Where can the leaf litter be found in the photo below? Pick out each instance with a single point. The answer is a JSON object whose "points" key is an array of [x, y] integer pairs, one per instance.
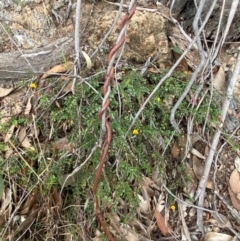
{"points": [[155, 214]]}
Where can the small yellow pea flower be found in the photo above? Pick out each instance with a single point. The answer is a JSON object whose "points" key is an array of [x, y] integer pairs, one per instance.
{"points": [[158, 99], [135, 132], [33, 85], [173, 207]]}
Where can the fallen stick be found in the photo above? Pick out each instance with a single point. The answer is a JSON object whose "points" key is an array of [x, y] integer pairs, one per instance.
{"points": [[20, 65]]}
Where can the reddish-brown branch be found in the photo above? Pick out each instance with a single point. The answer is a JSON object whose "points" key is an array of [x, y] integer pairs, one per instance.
{"points": [[116, 47], [103, 156], [108, 127], [128, 16], [97, 178]]}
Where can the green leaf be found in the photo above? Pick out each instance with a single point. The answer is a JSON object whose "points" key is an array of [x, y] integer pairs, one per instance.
{"points": [[176, 50]]}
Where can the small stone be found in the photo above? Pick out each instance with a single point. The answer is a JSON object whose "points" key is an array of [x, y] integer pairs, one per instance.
{"points": [[192, 212], [216, 229]]}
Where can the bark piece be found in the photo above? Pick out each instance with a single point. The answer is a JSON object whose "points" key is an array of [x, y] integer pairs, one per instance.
{"points": [[16, 65]]}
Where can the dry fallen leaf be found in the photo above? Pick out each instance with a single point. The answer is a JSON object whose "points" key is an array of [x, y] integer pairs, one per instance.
{"points": [[198, 168], [9, 133], [31, 200], [34, 132], [234, 189], [237, 163], [27, 223], [5, 91], [68, 88], [128, 233], [161, 203], [8, 152], [197, 153], [28, 106], [219, 79], [57, 200], [234, 182], [146, 186], [213, 236], [6, 206], [153, 70], [161, 222], [234, 200], [61, 68], [175, 150], [12, 105], [148, 182], [88, 60], [23, 139], [144, 204]]}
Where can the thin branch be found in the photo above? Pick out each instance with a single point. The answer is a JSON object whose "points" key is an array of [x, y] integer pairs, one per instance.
{"points": [[77, 66], [186, 203], [111, 28], [229, 21], [218, 31], [202, 184], [202, 60], [79, 167], [77, 33]]}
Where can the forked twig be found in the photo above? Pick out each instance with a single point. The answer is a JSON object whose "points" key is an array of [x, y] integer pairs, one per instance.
{"points": [[79, 167], [202, 59]]}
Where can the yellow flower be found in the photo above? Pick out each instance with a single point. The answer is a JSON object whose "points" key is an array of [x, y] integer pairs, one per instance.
{"points": [[135, 132], [158, 99], [33, 85], [173, 207]]}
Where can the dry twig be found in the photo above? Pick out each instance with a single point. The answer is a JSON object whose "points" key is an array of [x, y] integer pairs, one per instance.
{"points": [[202, 60], [202, 184]]}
